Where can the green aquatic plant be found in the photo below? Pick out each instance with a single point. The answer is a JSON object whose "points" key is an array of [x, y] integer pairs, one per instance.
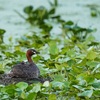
{"points": [[2, 31], [72, 66], [75, 32], [41, 16], [94, 10], [71, 59]]}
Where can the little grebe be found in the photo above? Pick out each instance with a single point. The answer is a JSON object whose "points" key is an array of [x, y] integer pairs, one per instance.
{"points": [[26, 70]]}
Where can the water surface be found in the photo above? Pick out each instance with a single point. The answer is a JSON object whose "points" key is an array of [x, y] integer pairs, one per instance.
{"points": [[75, 10]]}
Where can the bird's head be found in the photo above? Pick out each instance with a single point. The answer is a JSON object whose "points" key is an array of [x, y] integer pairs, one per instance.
{"points": [[31, 52]]}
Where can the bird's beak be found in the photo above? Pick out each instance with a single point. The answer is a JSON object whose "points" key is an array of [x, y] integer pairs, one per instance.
{"points": [[37, 52]]}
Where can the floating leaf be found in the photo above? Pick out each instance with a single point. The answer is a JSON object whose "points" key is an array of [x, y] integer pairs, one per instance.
{"points": [[23, 95], [1, 71], [96, 84], [28, 9], [36, 88], [53, 49], [91, 55], [92, 63], [52, 11], [97, 75], [52, 97], [22, 85], [87, 93], [69, 23], [58, 84], [59, 77], [46, 84], [98, 66], [31, 96], [59, 66], [66, 58], [2, 31], [78, 87]]}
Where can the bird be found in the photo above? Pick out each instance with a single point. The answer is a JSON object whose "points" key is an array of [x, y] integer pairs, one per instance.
{"points": [[27, 69], [24, 71]]}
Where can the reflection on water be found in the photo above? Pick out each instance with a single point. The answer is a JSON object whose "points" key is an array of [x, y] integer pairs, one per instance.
{"points": [[74, 10]]}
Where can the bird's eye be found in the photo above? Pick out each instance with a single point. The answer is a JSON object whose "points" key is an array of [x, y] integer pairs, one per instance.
{"points": [[34, 52]]}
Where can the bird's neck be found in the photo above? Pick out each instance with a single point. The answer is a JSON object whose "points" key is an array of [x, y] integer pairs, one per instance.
{"points": [[29, 58]]}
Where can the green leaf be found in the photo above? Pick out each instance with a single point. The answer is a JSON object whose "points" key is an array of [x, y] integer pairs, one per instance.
{"points": [[69, 23], [87, 93], [53, 49], [22, 85], [96, 68], [2, 31], [36, 88], [28, 9], [78, 87], [10, 89], [96, 84], [59, 66], [89, 78], [1, 71], [71, 53], [52, 11], [52, 97], [93, 13], [71, 62], [46, 84], [91, 55], [59, 77], [92, 63], [23, 95], [97, 75], [56, 2], [97, 93], [56, 84], [31, 96]]}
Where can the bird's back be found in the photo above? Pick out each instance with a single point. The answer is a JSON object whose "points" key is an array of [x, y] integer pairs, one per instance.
{"points": [[25, 70]]}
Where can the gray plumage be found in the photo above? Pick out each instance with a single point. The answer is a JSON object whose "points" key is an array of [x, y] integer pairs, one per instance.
{"points": [[25, 70]]}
